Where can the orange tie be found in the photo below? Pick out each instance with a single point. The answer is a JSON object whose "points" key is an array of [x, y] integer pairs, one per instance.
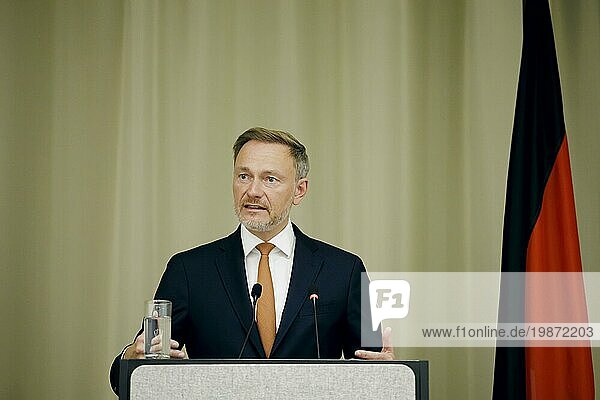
{"points": [[266, 303]]}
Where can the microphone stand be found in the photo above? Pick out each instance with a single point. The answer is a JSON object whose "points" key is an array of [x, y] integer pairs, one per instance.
{"points": [[256, 293]]}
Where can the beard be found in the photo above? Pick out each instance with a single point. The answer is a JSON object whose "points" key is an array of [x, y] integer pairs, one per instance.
{"points": [[261, 225]]}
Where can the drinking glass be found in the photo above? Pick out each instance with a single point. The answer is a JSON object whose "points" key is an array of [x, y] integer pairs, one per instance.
{"points": [[157, 324]]}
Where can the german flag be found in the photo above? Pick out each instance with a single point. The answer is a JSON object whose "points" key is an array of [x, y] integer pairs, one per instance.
{"points": [[540, 226]]}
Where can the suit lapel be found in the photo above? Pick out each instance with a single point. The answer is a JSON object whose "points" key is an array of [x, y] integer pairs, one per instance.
{"points": [[231, 269], [305, 269]]}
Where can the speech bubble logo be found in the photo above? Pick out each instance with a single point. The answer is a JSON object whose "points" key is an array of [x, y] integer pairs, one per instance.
{"points": [[389, 299]]}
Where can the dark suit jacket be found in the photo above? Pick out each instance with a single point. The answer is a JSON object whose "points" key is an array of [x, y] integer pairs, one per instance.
{"points": [[212, 310]]}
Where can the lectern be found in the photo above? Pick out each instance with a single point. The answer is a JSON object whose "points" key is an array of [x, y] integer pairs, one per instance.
{"points": [[273, 379]]}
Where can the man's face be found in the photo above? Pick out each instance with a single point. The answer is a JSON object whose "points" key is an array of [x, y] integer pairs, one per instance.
{"points": [[265, 187]]}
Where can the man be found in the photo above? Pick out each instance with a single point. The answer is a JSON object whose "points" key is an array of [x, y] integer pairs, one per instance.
{"points": [[210, 285]]}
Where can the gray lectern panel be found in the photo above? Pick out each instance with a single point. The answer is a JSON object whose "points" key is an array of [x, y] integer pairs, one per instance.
{"points": [[363, 380]]}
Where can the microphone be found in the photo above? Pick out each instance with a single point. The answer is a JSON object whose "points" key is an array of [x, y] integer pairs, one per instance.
{"points": [[314, 296], [255, 294]]}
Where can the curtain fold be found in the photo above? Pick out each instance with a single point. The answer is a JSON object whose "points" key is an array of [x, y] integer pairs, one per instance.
{"points": [[116, 125]]}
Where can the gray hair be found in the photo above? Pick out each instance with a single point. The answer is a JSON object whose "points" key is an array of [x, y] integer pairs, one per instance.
{"points": [[297, 149]]}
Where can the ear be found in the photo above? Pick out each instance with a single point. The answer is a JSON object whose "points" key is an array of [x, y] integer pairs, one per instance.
{"points": [[300, 191]]}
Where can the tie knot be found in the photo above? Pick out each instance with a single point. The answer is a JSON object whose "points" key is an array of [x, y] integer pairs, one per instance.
{"points": [[265, 248]]}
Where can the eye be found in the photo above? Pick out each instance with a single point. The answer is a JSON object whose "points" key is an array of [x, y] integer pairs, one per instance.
{"points": [[271, 179], [243, 177]]}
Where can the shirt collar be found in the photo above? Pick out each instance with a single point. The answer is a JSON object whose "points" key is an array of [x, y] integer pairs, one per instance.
{"points": [[284, 240]]}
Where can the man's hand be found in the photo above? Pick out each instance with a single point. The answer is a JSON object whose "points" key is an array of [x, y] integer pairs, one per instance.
{"points": [[386, 353], [136, 349]]}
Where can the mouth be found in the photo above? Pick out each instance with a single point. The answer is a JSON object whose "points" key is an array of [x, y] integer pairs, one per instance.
{"points": [[254, 207]]}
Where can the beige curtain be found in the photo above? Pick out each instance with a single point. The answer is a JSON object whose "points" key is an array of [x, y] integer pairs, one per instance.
{"points": [[117, 119]]}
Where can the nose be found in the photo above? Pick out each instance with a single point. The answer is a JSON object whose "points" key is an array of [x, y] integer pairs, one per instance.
{"points": [[255, 189]]}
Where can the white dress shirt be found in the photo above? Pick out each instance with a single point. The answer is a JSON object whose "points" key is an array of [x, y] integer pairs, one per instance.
{"points": [[281, 259]]}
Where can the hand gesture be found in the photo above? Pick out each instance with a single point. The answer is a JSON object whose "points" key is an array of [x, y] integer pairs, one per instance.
{"points": [[386, 353], [136, 349]]}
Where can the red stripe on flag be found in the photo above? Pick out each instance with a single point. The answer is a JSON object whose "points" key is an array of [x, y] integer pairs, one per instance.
{"points": [[557, 372], [554, 242]]}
